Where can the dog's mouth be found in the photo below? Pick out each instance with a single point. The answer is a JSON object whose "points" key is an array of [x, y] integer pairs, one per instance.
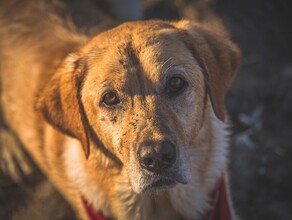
{"points": [[162, 184]]}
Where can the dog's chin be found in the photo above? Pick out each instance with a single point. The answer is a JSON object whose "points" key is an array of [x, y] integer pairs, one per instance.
{"points": [[158, 183], [161, 184], [142, 181]]}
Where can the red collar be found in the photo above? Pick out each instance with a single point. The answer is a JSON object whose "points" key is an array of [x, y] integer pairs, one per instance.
{"points": [[91, 212], [220, 207]]}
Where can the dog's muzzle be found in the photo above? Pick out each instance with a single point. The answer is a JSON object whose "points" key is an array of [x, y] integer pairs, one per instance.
{"points": [[156, 157], [160, 167]]}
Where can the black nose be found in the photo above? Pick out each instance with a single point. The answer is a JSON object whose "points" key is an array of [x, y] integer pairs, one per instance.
{"points": [[156, 156]]}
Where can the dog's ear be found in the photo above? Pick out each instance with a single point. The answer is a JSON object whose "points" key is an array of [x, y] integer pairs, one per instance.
{"points": [[60, 103], [218, 57]]}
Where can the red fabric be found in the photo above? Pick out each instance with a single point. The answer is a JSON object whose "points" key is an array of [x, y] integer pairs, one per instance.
{"points": [[91, 213], [220, 209]]}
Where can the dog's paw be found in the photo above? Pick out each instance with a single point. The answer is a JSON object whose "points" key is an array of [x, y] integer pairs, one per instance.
{"points": [[15, 165]]}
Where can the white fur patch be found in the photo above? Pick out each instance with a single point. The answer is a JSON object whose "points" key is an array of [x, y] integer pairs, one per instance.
{"points": [[75, 169], [192, 199]]}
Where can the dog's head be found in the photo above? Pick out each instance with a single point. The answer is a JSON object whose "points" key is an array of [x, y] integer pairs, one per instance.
{"points": [[139, 94]]}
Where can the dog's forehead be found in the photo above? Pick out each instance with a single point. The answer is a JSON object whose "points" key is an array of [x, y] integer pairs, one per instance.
{"points": [[151, 47], [142, 29], [142, 60], [137, 36]]}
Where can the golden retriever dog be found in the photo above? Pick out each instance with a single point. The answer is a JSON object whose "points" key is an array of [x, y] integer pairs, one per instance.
{"points": [[129, 124]]}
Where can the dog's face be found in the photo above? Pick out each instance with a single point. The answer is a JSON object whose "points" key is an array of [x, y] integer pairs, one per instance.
{"points": [[143, 98], [140, 92]]}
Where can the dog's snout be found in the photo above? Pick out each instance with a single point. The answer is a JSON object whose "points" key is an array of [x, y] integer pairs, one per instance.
{"points": [[157, 157]]}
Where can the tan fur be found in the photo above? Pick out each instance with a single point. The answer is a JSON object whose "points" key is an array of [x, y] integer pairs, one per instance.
{"points": [[86, 148]]}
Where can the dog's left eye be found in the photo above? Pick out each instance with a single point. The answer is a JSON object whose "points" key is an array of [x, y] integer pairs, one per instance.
{"points": [[176, 84], [110, 99]]}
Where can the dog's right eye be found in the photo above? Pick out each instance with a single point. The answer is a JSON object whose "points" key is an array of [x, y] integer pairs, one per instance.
{"points": [[110, 99], [176, 84]]}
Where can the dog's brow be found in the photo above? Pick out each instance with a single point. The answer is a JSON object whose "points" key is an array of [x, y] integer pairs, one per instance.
{"points": [[169, 60], [172, 69], [132, 55], [129, 55]]}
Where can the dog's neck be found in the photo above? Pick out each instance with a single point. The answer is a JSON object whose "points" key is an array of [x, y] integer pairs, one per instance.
{"points": [[219, 210]]}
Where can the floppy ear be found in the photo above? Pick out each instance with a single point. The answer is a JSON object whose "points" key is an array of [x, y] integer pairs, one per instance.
{"points": [[60, 103], [218, 57]]}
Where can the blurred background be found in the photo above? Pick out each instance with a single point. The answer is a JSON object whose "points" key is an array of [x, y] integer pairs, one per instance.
{"points": [[259, 103]]}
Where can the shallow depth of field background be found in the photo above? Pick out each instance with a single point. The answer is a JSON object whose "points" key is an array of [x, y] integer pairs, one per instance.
{"points": [[259, 103]]}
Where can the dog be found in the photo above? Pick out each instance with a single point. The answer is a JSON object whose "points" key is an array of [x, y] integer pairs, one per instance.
{"points": [[129, 124]]}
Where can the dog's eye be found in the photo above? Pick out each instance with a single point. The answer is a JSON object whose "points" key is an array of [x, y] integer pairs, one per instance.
{"points": [[110, 99], [176, 84]]}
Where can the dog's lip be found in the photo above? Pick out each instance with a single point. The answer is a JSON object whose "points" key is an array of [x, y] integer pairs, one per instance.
{"points": [[164, 183], [182, 180]]}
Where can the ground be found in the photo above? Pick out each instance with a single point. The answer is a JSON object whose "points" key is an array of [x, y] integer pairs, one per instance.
{"points": [[259, 103]]}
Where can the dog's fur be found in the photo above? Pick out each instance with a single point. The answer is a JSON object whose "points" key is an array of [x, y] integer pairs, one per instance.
{"points": [[53, 80]]}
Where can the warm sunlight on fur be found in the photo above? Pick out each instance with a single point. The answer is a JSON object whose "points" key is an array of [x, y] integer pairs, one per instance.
{"points": [[132, 119]]}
